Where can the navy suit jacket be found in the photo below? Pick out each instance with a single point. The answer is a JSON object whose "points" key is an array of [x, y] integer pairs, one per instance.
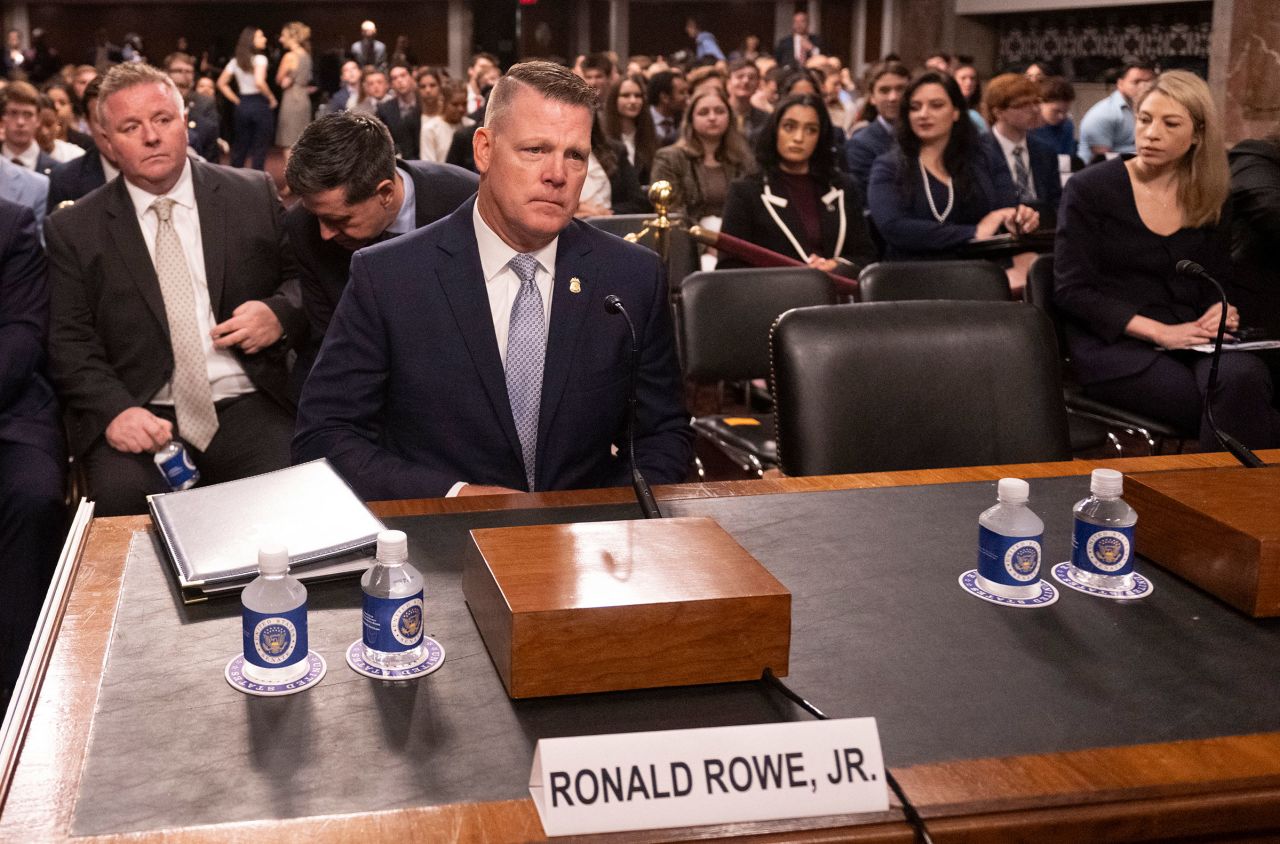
{"points": [[1044, 175], [860, 152], [406, 131], [408, 395], [76, 178]]}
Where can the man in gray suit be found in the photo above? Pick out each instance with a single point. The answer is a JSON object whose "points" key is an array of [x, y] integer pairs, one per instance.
{"points": [[25, 187]]}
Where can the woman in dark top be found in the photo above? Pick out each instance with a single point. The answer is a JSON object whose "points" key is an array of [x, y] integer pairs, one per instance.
{"points": [[799, 204], [939, 188], [1124, 226]]}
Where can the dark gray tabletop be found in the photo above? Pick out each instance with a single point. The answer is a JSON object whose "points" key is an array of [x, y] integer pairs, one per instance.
{"points": [[880, 627]]}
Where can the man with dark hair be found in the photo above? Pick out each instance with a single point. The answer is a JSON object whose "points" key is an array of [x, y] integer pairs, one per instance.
{"points": [[174, 306], [401, 112], [743, 82], [481, 63], [476, 356], [90, 171], [20, 116], [800, 46], [597, 72], [1108, 126], [668, 95], [348, 93], [353, 192], [202, 111]]}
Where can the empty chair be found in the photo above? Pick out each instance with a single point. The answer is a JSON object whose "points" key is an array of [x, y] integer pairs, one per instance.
{"points": [[913, 385], [897, 281], [723, 318]]}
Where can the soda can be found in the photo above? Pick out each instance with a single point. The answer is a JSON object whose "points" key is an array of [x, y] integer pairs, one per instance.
{"points": [[176, 466]]}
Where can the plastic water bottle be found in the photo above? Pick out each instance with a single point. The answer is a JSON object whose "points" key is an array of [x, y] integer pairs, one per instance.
{"points": [[1102, 543], [1009, 538], [176, 465], [393, 605], [274, 616]]}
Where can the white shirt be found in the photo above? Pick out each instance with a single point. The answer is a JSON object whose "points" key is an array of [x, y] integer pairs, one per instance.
{"points": [[226, 376], [108, 169], [474, 99], [596, 188], [1007, 147], [436, 136], [28, 157], [629, 141], [246, 82], [64, 152]]}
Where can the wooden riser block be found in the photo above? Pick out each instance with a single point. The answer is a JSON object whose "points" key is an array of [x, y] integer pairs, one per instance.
{"points": [[1218, 528], [607, 606]]}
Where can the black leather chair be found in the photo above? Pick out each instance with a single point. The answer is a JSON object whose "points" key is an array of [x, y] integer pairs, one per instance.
{"points": [[682, 251], [913, 385], [896, 281], [723, 318], [1039, 292]]}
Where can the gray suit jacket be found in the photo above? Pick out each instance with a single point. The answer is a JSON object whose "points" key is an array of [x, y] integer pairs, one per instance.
{"points": [[25, 187]]}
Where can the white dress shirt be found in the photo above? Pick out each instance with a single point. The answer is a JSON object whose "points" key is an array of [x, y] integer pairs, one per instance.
{"points": [[596, 188], [226, 376], [29, 157], [436, 136], [1007, 147]]}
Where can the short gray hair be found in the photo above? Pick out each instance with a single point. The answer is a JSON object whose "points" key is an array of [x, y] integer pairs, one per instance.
{"points": [[553, 81], [129, 75]]}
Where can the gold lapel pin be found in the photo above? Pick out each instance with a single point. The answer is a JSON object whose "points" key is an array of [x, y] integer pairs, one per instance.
{"points": [[575, 286]]}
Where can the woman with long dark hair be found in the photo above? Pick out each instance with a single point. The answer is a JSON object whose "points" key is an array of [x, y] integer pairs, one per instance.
{"points": [[252, 97], [799, 204], [627, 119]]}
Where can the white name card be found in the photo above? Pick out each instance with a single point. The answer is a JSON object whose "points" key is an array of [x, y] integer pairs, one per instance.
{"points": [[673, 778]]}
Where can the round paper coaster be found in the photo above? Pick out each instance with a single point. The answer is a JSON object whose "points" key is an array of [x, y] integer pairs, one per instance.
{"points": [[1142, 587], [432, 658], [234, 673], [969, 582]]}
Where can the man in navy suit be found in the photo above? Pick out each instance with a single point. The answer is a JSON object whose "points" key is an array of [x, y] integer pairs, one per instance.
{"points": [[886, 82], [32, 514], [800, 46], [20, 115], [476, 356], [1012, 104]]}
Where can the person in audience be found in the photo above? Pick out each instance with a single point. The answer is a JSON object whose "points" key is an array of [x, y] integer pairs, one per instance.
{"points": [[203, 123], [51, 135], [1012, 107], [373, 92], [481, 65], [597, 71], [402, 114], [348, 94], [1056, 128], [68, 123], [294, 78], [352, 191], [480, 295], [668, 96], [369, 51], [20, 118], [709, 156], [1255, 231], [938, 189], [841, 115], [744, 81], [207, 86], [627, 119], [32, 462], [1131, 319], [885, 84], [966, 76], [707, 76], [767, 94], [437, 132], [1107, 127], [428, 81], [1035, 72], [25, 187], [90, 171], [704, 43], [174, 306], [799, 204], [252, 98], [796, 49], [749, 49]]}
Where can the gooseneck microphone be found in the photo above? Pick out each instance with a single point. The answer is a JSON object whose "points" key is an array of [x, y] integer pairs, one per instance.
{"points": [[644, 495], [1241, 452]]}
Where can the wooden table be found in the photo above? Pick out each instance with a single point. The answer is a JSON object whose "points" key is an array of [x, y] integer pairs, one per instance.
{"points": [[1216, 788]]}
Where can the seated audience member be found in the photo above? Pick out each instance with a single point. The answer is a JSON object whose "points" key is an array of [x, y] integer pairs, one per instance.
{"points": [[403, 115], [708, 76], [436, 132], [32, 515], [1056, 128], [709, 156], [597, 72], [799, 204], [885, 83], [374, 91], [626, 119], [744, 81], [482, 65], [466, 357], [428, 81], [1036, 73], [349, 93], [1012, 106], [1255, 231], [20, 118], [1131, 317], [93, 169], [68, 123], [611, 186], [939, 189], [1108, 125], [810, 82], [966, 76], [352, 191], [203, 123], [163, 327], [51, 135], [668, 96], [767, 94], [25, 187]]}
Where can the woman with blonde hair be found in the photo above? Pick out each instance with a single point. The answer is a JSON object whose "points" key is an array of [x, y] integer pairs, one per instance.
{"points": [[1131, 318], [709, 155], [294, 78]]}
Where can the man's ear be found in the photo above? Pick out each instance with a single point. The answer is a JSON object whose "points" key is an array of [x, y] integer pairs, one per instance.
{"points": [[482, 148]]}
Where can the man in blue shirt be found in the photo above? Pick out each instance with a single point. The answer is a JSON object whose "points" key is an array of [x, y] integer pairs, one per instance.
{"points": [[1108, 126], [704, 43]]}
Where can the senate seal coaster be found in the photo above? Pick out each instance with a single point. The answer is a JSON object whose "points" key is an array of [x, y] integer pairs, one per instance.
{"points": [[234, 673], [432, 658], [969, 582], [1141, 586]]}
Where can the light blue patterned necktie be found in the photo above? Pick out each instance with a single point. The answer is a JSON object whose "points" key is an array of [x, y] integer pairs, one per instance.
{"points": [[526, 354]]}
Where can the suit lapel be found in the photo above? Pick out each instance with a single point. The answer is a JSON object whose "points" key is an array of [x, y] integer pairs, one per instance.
{"points": [[829, 221], [791, 220], [126, 234], [213, 221]]}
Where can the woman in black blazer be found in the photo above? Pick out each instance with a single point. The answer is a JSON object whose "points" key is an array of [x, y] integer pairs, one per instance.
{"points": [[1124, 226], [799, 204]]}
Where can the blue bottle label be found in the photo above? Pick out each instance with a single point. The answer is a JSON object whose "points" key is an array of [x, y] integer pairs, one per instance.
{"points": [[1009, 560], [275, 640], [178, 469], [1102, 550], [392, 625]]}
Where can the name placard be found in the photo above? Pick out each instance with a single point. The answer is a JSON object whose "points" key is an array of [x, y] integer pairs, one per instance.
{"points": [[672, 778]]}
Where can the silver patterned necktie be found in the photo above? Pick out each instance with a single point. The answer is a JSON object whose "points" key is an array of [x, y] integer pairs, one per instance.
{"points": [[1022, 176], [192, 395], [526, 354]]}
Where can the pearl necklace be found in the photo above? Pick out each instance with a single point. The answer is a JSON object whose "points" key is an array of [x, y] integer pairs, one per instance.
{"points": [[928, 194]]}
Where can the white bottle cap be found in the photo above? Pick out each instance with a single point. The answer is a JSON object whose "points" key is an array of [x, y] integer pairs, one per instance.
{"points": [[1013, 490], [393, 546], [273, 558], [1107, 482]]}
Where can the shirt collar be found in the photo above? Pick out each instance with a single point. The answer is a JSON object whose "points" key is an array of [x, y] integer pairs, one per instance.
{"points": [[885, 124], [1007, 145], [407, 220], [495, 254], [30, 157], [183, 193], [1120, 101]]}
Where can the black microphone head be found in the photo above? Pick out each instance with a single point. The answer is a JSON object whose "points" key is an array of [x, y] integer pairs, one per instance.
{"points": [[613, 304], [1186, 267]]}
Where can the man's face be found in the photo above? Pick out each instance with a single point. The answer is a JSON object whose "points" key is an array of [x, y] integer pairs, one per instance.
{"points": [[598, 80], [375, 85], [144, 127], [800, 23], [886, 95], [82, 80], [350, 74], [205, 86], [678, 98], [367, 30], [351, 225], [1135, 83], [532, 166], [401, 81], [473, 73], [743, 82], [183, 75], [20, 121]]}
